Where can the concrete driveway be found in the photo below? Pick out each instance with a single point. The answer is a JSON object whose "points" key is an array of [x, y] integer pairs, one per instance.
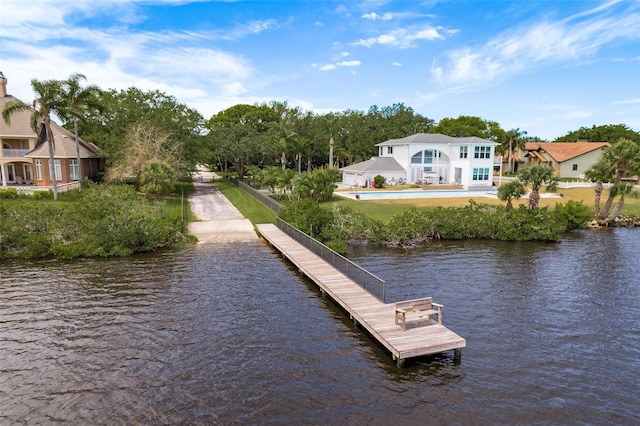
{"points": [[219, 221]]}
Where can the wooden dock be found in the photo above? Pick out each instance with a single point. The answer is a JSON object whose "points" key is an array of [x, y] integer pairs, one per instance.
{"points": [[422, 337]]}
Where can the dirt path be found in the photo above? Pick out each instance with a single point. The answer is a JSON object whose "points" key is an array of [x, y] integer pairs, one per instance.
{"points": [[219, 220]]}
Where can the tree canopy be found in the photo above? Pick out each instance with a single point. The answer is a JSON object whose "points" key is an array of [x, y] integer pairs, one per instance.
{"points": [[620, 160], [465, 126], [607, 133], [122, 110]]}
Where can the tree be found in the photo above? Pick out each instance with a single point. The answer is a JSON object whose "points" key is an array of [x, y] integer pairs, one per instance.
{"points": [[607, 133], [536, 176], [465, 126], [157, 178], [514, 140], [601, 171], [622, 190], [242, 135], [317, 185], [77, 100], [47, 101], [620, 160], [145, 144], [510, 191], [122, 110]]}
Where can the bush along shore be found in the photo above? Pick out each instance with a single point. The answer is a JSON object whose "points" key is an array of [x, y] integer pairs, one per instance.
{"points": [[101, 220], [342, 226]]}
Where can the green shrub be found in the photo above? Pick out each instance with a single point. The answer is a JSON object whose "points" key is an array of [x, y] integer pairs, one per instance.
{"points": [[43, 195], [379, 181], [105, 220], [574, 213], [307, 216], [8, 193]]}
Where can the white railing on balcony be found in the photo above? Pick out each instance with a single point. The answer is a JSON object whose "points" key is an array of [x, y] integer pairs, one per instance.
{"points": [[14, 153]]}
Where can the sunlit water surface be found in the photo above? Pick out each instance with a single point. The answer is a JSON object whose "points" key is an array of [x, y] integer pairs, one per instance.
{"points": [[232, 335]]}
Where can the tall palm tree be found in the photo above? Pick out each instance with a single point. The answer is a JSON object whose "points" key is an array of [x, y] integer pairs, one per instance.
{"points": [[620, 189], [47, 101], [602, 170], [77, 99], [624, 156], [514, 138]]}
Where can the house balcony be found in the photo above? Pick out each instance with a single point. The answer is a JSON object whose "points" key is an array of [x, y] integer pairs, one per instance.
{"points": [[14, 153]]}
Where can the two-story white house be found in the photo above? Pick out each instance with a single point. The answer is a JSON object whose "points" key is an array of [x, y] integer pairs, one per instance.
{"points": [[428, 158]]}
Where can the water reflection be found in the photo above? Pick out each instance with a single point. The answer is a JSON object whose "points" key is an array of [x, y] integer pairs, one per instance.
{"points": [[233, 335]]}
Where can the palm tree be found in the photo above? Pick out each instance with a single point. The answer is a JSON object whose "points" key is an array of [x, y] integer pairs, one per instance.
{"points": [[515, 140], [47, 100], [157, 178], [620, 189], [624, 157], [536, 176], [509, 191], [602, 170], [77, 99]]}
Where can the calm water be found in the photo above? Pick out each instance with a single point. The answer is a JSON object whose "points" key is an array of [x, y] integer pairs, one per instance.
{"points": [[231, 335]]}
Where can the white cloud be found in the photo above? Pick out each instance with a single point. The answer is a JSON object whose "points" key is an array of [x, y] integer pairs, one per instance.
{"points": [[330, 67], [348, 64], [532, 46], [327, 67], [406, 38], [628, 102], [375, 17]]}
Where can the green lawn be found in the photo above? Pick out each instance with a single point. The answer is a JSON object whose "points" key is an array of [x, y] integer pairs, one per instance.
{"points": [[251, 208], [385, 209]]}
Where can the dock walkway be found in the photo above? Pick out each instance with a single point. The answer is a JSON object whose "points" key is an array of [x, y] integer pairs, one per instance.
{"points": [[422, 337]]}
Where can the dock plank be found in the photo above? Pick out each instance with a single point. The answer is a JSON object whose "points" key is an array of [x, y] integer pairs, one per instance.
{"points": [[422, 336]]}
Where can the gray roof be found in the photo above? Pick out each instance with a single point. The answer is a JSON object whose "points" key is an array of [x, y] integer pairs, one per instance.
{"points": [[435, 138], [64, 145], [20, 122], [376, 164], [63, 140]]}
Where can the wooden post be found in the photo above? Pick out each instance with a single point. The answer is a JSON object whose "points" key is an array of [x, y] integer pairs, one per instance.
{"points": [[457, 356]]}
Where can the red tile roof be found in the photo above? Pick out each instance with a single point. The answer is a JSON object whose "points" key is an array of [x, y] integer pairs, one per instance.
{"points": [[563, 151]]}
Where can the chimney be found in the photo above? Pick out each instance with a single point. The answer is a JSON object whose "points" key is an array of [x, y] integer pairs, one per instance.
{"points": [[3, 85]]}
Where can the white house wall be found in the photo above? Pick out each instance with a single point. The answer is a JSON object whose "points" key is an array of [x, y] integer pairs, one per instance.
{"points": [[403, 152]]}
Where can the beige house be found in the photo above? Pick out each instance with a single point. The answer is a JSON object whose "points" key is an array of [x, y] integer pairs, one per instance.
{"points": [[569, 159], [24, 159]]}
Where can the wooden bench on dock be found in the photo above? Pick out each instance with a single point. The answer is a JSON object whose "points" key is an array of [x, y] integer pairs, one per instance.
{"points": [[424, 307]]}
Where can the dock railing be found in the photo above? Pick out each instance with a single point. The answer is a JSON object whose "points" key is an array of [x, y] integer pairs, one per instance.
{"points": [[365, 279], [268, 201], [359, 275]]}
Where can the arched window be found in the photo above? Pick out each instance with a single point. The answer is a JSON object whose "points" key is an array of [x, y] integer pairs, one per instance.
{"points": [[425, 157]]}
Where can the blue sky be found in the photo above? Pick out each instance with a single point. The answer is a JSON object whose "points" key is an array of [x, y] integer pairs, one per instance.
{"points": [[545, 67]]}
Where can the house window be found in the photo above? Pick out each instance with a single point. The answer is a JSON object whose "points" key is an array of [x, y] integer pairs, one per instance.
{"points": [[575, 167], [39, 169], [58, 168], [389, 150], [482, 152], [480, 173], [425, 156], [464, 151], [74, 172]]}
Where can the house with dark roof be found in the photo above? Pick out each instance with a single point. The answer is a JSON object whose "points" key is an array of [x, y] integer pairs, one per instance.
{"points": [[24, 159], [428, 158], [568, 159]]}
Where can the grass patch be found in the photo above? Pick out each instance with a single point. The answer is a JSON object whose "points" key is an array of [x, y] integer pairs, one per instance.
{"points": [[384, 210], [250, 208]]}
